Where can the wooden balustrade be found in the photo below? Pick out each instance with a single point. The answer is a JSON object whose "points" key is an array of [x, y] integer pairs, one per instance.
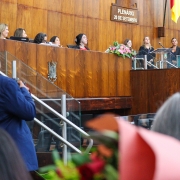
{"points": [[79, 73]]}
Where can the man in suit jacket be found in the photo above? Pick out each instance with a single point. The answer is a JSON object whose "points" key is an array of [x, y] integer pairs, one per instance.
{"points": [[16, 106]]}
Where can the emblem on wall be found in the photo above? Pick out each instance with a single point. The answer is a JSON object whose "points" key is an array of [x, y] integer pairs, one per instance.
{"points": [[52, 76]]}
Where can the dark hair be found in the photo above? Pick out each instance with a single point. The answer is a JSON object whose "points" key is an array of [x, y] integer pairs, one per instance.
{"points": [[18, 32], [126, 41], [78, 39], [167, 118], [53, 38], [39, 38], [11, 163]]}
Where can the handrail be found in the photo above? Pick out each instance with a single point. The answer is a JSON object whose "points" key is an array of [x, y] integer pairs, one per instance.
{"points": [[167, 63], [64, 119], [57, 135]]}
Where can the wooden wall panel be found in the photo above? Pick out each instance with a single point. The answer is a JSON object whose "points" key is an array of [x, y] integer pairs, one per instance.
{"points": [[39, 24], [112, 75], [67, 29], [41, 4], [54, 5], [139, 91], [55, 25], [8, 12], [25, 2], [70, 72], [68, 6], [104, 72], [67, 18], [96, 74], [151, 88], [61, 68], [79, 73], [24, 14], [88, 72]]}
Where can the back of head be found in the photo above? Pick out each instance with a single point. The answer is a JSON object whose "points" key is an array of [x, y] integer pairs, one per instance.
{"points": [[18, 32], [167, 119], [11, 163], [2, 27], [78, 39], [39, 38]]}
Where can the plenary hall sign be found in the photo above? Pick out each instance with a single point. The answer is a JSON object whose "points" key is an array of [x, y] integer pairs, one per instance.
{"points": [[125, 15]]}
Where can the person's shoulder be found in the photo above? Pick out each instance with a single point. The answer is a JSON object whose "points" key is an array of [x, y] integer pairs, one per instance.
{"points": [[8, 83], [141, 47]]}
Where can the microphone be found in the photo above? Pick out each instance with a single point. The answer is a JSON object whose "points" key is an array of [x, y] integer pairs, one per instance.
{"points": [[161, 45]]}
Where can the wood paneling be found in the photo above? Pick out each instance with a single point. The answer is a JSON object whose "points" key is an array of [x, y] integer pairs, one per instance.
{"points": [[79, 73], [150, 88], [67, 18]]}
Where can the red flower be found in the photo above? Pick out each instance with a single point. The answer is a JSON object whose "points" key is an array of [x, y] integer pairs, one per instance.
{"points": [[88, 170], [58, 172]]}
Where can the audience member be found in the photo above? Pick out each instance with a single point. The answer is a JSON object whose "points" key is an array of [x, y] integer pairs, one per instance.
{"points": [[40, 38], [128, 43], [12, 166], [16, 106], [55, 41], [81, 42], [4, 31], [167, 118], [174, 52], [146, 49], [20, 33]]}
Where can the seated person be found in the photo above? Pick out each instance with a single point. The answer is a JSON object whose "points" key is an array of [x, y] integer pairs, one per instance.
{"points": [[175, 50], [20, 33], [146, 49], [40, 38], [4, 31], [128, 43], [81, 42], [55, 41]]}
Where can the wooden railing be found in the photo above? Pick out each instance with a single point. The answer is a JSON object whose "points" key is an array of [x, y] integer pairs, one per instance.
{"points": [[79, 73]]}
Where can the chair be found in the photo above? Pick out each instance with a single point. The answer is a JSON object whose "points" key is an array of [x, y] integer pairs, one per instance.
{"points": [[72, 46], [44, 141], [25, 39]]}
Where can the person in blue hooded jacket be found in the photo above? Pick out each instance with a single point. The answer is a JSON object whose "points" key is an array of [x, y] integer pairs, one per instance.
{"points": [[16, 107]]}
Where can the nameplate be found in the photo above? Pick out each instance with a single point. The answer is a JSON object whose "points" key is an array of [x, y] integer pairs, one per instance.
{"points": [[125, 15]]}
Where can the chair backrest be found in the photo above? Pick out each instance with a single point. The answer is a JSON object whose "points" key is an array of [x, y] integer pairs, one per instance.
{"points": [[44, 141], [25, 39], [72, 46]]}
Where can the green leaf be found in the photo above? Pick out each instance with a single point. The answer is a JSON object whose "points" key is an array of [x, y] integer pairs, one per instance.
{"points": [[79, 159], [111, 173], [47, 168]]}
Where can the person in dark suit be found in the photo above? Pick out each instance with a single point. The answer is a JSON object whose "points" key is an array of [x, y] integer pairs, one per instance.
{"points": [[146, 49], [16, 107], [175, 50]]}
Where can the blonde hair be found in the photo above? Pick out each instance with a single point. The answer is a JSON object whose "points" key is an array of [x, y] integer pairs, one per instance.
{"points": [[2, 27], [144, 43]]}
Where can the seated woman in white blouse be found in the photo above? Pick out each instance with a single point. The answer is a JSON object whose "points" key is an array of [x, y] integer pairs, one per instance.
{"points": [[4, 31]]}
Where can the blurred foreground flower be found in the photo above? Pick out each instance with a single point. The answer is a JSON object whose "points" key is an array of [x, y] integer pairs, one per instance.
{"points": [[101, 164]]}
